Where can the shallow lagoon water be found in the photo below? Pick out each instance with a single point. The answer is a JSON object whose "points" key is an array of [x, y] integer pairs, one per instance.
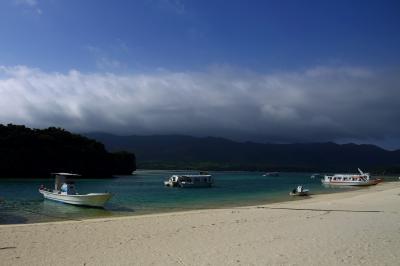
{"points": [[144, 193]]}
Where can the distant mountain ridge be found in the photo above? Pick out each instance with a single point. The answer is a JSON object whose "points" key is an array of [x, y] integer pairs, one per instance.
{"points": [[177, 151]]}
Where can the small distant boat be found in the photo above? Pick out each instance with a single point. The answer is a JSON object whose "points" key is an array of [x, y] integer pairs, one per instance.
{"points": [[271, 174], [361, 179], [64, 191], [316, 175], [299, 191], [189, 181]]}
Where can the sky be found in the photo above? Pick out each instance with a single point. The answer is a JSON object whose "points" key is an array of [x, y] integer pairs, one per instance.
{"points": [[266, 71]]}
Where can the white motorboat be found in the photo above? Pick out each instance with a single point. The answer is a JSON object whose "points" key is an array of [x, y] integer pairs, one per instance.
{"points": [[299, 191], [186, 181], [64, 191], [271, 174], [361, 179]]}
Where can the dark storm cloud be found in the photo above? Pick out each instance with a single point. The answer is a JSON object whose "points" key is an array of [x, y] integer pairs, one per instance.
{"points": [[317, 104]]}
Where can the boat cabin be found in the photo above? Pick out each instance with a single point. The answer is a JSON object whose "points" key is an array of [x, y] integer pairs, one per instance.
{"points": [[195, 178], [64, 184], [68, 188], [347, 178], [202, 180]]}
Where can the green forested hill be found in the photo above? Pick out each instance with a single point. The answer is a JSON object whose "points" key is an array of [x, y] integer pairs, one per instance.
{"points": [[26, 152]]}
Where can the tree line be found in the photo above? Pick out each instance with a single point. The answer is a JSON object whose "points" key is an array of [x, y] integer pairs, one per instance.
{"points": [[26, 152]]}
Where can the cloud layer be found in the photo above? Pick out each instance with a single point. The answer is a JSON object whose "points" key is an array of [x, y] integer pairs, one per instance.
{"points": [[316, 104]]}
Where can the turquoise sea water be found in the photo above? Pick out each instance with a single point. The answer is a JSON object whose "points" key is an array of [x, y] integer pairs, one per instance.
{"points": [[144, 193]]}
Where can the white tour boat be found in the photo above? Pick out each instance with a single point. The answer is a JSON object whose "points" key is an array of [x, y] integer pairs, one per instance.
{"points": [[361, 179], [64, 191], [202, 180]]}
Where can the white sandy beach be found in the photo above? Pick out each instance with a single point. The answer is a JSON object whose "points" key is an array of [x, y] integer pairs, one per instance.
{"points": [[352, 228]]}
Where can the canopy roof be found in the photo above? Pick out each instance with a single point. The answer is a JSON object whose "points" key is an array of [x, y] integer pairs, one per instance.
{"points": [[65, 174]]}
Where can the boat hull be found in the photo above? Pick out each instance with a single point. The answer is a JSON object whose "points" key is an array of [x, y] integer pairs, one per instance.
{"points": [[305, 193], [171, 184], [352, 183], [90, 200], [194, 185]]}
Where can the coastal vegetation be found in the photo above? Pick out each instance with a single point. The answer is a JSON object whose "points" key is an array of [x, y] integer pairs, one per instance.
{"points": [[36, 153]]}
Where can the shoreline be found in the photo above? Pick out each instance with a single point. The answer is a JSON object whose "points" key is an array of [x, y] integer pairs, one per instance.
{"points": [[347, 228], [316, 197], [145, 197]]}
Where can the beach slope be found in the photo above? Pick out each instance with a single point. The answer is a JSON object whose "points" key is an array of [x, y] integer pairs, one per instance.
{"points": [[361, 227]]}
